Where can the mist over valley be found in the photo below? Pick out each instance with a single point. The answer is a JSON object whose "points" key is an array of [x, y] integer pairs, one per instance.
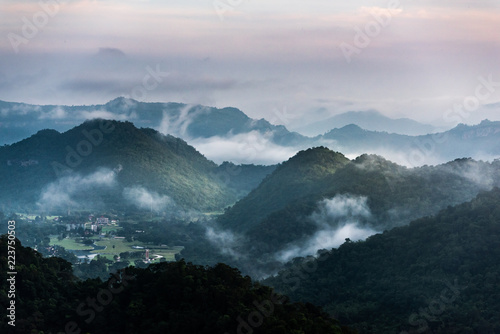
{"points": [[249, 167]]}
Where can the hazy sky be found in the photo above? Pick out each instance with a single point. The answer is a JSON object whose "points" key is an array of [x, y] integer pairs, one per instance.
{"points": [[292, 62]]}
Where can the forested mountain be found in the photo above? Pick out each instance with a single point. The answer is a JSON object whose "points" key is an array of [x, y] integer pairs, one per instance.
{"points": [[440, 274], [175, 297], [299, 177], [116, 165], [311, 200]]}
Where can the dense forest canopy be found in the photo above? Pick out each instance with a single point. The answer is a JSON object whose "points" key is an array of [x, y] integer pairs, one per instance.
{"points": [[440, 274]]}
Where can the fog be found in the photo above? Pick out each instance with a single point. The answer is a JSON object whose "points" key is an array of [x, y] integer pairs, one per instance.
{"points": [[62, 192], [146, 199], [177, 124], [225, 242], [246, 148], [337, 219]]}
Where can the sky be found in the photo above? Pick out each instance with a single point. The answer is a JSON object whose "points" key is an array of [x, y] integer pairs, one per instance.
{"points": [[292, 62]]}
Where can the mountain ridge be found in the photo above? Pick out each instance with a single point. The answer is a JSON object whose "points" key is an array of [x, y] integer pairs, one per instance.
{"points": [[209, 128]]}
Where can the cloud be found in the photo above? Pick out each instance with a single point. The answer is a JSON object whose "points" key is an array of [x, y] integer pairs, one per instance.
{"points": [[326, 239], [245, 148], [55, 113], [225, 241], [120, 115], [176, 123], [480, 174], [342, 206], [62, 192], [147, 200], [337, 219]]}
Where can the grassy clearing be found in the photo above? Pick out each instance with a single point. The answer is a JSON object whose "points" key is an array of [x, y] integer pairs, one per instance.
{"points": [[69, 244], [121, 245], [110, 228]]}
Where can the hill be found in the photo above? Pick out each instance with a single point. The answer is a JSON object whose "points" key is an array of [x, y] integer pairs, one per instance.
{"points": [[296, 178], [175, 297], [439, 274], [319, 197], [116, 165]]}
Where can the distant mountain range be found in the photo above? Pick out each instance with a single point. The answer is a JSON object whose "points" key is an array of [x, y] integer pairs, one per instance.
{"points": [[20, 120], [369, 120], [480, 141], [209, 129]]}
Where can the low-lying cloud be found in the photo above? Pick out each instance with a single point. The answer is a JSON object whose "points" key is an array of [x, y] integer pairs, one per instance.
{"points": [[146, 199], [245, 148], [62, 192], [176, 124], [337, 219], [224, 241]]}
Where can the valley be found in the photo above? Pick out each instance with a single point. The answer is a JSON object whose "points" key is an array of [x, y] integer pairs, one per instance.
{"points": [[249, 167], [107, 196]]}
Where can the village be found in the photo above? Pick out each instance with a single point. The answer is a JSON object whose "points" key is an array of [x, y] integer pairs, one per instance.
{"points": [[98, 236]]}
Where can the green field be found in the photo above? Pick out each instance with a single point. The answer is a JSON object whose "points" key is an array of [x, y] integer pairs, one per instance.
{"points": [[121, 245], [68, 243], [110, 228]]}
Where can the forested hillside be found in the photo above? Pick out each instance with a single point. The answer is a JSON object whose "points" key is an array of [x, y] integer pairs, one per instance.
{"points": [[116, 165], [318, 195], [440, 274]]}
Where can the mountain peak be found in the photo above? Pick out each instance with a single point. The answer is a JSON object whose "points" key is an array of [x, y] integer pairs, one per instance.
{"points": [[121, 101], [371, 120], [312, 163], [314, 155], [47, 133]]}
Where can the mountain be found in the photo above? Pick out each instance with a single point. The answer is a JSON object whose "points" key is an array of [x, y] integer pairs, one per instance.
{"points": [[371, 120], [115, 165], [319, 197], [175, 297], [480, 141], [19, 120], [296, 178], [258, 141], [437, 275]]}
